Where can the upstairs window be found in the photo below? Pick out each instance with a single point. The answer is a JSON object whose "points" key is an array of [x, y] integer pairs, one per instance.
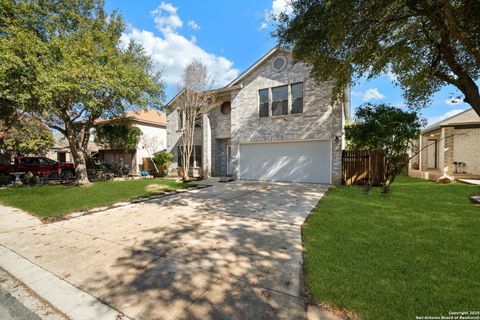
{"points": [[180, 121], [280, 101], [264, 103], [198, 122], [297, 98]]}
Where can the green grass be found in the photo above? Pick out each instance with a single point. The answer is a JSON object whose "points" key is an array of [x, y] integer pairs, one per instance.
{"points": [[51, 201], [414, 252]]}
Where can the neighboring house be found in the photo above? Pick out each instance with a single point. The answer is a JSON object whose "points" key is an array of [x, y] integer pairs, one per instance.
{"points": [[60, 151], [273, 122], [153, 124], [450, 147]]}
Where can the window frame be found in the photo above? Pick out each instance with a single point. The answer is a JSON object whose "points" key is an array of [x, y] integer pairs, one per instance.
{"points": [[293, 99], [194, 161], [260, 104], [283, 108], [290, 101], [180, 120]]}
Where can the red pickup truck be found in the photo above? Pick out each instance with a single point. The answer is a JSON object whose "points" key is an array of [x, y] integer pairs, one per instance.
{"points": [[39, 166]]}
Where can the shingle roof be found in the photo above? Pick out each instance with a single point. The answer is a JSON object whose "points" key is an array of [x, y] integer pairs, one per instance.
{"points": [[150, 116], [468, 116]]}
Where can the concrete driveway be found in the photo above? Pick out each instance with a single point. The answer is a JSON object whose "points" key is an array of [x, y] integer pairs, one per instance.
{"points": [[228, 251]]}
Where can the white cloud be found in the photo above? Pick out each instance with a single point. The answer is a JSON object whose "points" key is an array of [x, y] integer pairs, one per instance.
{"points": [[453, 101], [278, 6], [172, 52], [168, 7], [370, 94], [192, 24], [166, 18], [391, 76], [451, 113]]}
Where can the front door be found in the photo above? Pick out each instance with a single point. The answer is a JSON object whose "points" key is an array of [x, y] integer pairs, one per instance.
{"points": [[432, 162], [228, 154]]}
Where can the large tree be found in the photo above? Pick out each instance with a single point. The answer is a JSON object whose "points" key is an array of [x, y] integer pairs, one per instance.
{"points": [[427, 44], [386, 130], [195, 97], [63, 61]]}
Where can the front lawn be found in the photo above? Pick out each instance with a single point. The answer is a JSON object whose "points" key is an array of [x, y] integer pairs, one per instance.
{"points": [[413, 253], [54, 200]]}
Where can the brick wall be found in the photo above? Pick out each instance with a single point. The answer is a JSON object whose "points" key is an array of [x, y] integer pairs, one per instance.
{"points": [[467, 149], [319, 120]]}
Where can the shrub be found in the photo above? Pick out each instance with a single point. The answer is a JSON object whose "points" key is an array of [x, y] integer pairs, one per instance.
{"points": [[30, 179], [162, 159]]}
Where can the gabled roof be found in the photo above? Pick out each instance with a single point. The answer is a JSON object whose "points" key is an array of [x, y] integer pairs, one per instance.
{"points": [[468, 116], [236, 83], [149, 116], [254, 66]]}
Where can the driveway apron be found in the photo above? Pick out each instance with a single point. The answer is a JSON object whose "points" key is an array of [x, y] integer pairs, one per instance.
{"points": [[229, 251]]}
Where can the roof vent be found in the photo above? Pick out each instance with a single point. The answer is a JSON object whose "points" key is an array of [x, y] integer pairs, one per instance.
{"points": [[279, 63]]}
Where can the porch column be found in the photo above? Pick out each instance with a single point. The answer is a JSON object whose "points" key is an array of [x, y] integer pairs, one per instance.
{"points": [[206, 147], [423, 152], [447, 150]]}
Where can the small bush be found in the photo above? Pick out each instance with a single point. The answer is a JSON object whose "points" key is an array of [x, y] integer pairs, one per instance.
{"points": [[162, 159], [30, 179]]}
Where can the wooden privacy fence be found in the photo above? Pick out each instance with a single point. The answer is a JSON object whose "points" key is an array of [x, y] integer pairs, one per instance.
{"points": [[362, 167]]}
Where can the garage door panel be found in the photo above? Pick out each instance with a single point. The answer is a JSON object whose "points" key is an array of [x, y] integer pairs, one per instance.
{"points": [[286, 161]]}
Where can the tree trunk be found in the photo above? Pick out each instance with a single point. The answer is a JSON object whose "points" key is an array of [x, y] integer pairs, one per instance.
{"points": [[186, 154], [81, 169], [78, 154], [80, 162]]}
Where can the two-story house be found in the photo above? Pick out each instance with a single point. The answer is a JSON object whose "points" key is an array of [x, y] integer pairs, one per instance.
{"points": [[273, 123]]}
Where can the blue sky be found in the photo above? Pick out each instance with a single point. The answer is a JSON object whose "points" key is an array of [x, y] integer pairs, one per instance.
{"points": [[228, 36]]}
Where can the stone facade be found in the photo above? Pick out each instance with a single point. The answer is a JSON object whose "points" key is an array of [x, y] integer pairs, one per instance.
{"points": [[320, 120]]}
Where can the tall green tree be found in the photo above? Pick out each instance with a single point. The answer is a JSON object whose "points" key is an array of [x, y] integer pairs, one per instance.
{"points": [[119, 135], [26, 136], [63, 62], [427, 44], [387, 130]]}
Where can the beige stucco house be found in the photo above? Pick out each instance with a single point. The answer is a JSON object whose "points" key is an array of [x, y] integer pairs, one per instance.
{"points": [[60, 150], [450, 148], [273, 122], [151, 122]]}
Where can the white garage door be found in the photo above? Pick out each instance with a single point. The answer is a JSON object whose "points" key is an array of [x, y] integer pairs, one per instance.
{"points": [[286, 161]]}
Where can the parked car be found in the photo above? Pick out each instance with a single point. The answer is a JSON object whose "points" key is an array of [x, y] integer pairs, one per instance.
{"points": [[39, 166]]}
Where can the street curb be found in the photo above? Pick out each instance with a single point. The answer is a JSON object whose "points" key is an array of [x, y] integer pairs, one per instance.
{"points": [[68, 299]]}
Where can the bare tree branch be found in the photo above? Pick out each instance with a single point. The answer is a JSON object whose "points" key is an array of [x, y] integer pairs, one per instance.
{"points": [[191, 105]]}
